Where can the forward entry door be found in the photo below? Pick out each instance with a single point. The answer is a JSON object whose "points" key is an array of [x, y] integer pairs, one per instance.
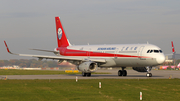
{"points": [[140, 52]]}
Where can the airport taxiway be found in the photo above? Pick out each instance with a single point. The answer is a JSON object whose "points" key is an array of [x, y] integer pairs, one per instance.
{"points": [[157, 74]]}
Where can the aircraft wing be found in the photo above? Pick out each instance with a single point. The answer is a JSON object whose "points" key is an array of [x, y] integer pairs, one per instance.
{"points": [[98, 60]]}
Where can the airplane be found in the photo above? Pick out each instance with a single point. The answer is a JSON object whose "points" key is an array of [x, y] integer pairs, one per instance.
{"points": [[175, 56], [87, 58]]}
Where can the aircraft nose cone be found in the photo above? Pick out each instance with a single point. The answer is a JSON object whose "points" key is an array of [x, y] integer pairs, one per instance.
{"points": [[161, 59]]}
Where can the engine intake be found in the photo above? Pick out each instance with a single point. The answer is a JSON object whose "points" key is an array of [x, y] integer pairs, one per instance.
{"points": [[88, 67]]}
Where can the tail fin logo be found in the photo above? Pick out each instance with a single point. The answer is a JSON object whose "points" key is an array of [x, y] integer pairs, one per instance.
{"points": [[59, 33]]}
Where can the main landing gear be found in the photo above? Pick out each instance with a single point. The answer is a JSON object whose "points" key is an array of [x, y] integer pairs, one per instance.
{"points": [[122, 72], [86, 74]]}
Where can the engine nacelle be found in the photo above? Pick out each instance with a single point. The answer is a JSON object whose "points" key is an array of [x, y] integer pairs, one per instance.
{"points": [[88, 67], [140, 69]]}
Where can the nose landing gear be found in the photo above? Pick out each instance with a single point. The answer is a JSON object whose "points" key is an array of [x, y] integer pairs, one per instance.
{"points": [[148, 71], [149, 74]]}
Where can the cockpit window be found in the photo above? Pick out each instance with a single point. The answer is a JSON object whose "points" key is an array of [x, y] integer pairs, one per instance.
{"points": [[154, 51]]}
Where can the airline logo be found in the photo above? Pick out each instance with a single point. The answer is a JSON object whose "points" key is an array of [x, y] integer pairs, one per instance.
{"points": [[59, 33]]}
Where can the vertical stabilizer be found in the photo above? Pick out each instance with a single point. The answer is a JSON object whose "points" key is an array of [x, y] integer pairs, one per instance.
{"points": [[173, 50], [61, 36], [178, 65]]}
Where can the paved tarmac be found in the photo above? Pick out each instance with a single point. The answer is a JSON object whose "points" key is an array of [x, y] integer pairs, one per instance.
{"points": [[131, 74]]}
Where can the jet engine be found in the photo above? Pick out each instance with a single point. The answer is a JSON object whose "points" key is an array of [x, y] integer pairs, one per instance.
{"points": [[88, 67], [140, 69]]}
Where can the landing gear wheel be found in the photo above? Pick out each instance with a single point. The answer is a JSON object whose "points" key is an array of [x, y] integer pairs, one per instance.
{"points": [[124, 73], [119, 73], [84, 74], [149, 74], [88, 74]]}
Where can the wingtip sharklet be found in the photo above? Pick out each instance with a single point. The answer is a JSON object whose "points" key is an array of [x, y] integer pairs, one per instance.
{"points": [[7, 47]]}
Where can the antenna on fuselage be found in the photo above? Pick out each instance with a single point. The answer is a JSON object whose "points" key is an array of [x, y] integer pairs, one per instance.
{"points": [[147, 42]]}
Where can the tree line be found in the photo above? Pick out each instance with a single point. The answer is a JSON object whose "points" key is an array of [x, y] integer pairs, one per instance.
{"points": [[41, 64], [28, 63]]}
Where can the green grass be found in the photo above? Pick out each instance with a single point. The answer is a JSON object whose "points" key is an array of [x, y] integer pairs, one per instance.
{"points": [[87, 90], [37, 72]]}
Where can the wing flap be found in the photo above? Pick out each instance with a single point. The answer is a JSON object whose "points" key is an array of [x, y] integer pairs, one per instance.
{"points": [[45, 50]]}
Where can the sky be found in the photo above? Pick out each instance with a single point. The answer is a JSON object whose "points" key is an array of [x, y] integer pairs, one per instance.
{"points": [[26, 24]]}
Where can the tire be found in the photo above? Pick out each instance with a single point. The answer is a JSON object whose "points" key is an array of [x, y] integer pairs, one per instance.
{"points": [[150, 74], [84, 74], [119, 73], [88, 74], [124, 73]]}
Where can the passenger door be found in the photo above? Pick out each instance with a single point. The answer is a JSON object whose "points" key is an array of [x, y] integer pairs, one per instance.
{"points": [[116, 53], [140, 52]]}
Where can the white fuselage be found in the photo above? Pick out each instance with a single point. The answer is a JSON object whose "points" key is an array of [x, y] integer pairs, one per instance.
{"points": [[123, 55]]}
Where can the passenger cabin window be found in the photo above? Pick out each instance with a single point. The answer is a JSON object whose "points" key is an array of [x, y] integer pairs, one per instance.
{"points": [[131, 48], [127, 48], [135, 48], [122, 48]]}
